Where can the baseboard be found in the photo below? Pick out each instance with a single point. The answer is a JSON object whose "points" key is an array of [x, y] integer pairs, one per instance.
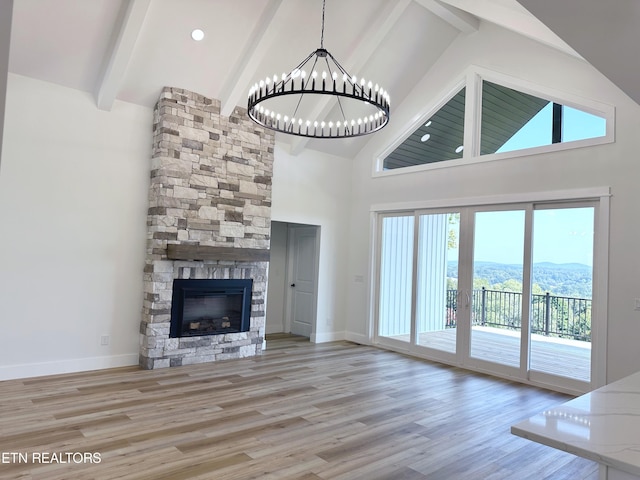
{"points": [[357, 338], [29, 370], [327, 337], [337, 336], [270, 329]]}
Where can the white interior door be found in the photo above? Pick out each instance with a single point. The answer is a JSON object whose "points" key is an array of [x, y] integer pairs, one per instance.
{"points": [[303, 278]]}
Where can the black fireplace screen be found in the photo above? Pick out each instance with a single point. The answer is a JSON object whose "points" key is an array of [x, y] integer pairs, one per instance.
{"points": [[210, 307]]}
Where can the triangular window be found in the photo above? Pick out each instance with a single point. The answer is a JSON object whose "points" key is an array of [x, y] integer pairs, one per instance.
{"points": [[513, 120], [437, 139], [512, 123]]}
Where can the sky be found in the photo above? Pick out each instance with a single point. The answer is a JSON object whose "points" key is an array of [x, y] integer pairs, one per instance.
{"points": [[559, 236], [576, 125]]}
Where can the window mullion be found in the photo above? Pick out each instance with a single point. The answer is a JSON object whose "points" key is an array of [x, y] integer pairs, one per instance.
{"points": [[472, 116], [525, 328]]}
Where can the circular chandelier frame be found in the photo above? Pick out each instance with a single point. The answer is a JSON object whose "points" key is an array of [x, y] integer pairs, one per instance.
{"points": [[334, 83]]}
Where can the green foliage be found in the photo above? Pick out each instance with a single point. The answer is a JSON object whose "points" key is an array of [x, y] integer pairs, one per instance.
{"points": [[560, 304], [454, 227], [480, 282], [569, 280]]}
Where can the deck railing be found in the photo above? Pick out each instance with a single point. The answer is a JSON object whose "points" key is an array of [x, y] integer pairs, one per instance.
{"points": [[551, 315]]}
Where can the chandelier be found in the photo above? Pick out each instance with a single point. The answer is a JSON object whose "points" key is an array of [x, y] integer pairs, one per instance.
{"points": [[349, 106]]}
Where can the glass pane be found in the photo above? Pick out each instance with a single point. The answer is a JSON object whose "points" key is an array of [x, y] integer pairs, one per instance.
{"points": [[437, 292], [496, 302], [439, 138], [562, 275], [396, 270], [578, 125], [513, 120]]}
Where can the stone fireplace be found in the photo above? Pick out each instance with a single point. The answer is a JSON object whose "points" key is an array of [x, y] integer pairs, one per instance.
{"points": [[209, 219]]}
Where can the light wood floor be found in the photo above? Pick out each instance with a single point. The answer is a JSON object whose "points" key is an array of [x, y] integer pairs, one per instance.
{"points": [[300, 411]]}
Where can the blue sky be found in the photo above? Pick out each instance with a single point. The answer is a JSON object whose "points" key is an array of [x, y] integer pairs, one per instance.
{"points": [[576, 125], [559, 236]]}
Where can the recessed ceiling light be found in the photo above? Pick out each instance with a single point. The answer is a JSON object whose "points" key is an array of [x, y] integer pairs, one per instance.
{"points": [[428, 123], [197, 34], [425, 137], [459, 149]]}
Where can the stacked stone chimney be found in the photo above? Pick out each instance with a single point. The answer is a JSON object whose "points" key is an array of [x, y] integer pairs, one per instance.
{"points": [[210, 198]]}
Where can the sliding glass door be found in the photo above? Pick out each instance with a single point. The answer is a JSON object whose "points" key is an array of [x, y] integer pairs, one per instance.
{"points": [[562, 281], [499, 289]]}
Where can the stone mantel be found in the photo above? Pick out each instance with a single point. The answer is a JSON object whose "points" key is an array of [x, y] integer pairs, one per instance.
{"points": [[204, 252]]}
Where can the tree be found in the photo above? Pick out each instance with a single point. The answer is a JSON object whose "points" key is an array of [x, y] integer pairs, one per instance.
{"points": [[454, 227]]}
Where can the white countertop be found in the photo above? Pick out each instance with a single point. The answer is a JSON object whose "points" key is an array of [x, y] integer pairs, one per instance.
{"points": [[603, 425]]}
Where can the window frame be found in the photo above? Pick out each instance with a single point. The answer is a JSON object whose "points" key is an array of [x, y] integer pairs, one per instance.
{"points": [[472, 81]]}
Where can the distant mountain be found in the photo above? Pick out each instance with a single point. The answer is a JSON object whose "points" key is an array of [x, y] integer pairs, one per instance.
{"points": [[563, 266], [563, 279]]}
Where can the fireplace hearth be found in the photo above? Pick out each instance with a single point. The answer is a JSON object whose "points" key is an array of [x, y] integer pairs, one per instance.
{"points": [[210, 307]]}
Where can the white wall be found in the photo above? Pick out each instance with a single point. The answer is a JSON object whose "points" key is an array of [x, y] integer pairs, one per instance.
{"points": [[313, 189], [615, 165], [73, 201], [276, 288]]}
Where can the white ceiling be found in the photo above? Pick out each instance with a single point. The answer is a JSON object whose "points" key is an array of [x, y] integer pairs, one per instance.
{"points": [[129, 49], [606, 33]]}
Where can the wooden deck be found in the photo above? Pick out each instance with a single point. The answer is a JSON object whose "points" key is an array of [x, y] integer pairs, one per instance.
{"points": [[567, 358]]}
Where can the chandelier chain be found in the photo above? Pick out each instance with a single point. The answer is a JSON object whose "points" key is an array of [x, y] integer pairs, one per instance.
{"points": [[322, 32]]}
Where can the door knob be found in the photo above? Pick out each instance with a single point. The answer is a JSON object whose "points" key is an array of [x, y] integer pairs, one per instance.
{"points": [[293, 284]]}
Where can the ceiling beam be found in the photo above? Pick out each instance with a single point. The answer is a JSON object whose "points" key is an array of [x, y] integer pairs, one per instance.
{"points": [[370, 42], [243, 73], [123, 43], [6, 16], [459, 19]]}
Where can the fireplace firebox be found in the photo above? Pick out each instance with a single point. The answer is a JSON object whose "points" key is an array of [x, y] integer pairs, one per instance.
{"points": [[210, 307]]}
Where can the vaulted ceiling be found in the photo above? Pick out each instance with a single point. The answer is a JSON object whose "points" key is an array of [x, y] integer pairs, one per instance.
{"points": [[129, 49], [605, 33]]}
